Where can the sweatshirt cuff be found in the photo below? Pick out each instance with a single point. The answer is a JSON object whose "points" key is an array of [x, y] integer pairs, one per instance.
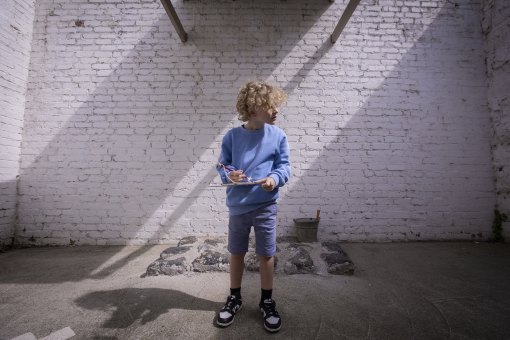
{"points": [[276, 179]]}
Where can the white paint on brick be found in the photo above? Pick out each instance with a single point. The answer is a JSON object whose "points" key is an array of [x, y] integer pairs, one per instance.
{"points": [[389, 127], [16, 21]]}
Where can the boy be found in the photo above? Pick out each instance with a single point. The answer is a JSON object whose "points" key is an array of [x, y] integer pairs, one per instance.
{"points": [[257, 152]]}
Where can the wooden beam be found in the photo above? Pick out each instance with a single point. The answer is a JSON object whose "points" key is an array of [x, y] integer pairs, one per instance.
{"points": [[351, 6], [172, 14]]}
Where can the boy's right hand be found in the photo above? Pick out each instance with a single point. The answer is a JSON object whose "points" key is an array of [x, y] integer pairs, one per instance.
{"points": [[237, 175]]}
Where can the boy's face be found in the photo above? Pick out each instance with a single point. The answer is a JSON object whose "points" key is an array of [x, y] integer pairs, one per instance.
{"points": [[267, 116]]}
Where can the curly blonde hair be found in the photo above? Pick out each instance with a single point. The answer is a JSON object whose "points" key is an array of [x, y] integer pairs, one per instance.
{"points": [[258, 94]]}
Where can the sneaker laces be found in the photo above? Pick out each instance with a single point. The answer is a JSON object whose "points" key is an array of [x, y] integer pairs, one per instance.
{"points": [[229, 306], [269, 307]]}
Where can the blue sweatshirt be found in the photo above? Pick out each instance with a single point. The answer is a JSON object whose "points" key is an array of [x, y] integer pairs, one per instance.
{"points": [[259, 153]]}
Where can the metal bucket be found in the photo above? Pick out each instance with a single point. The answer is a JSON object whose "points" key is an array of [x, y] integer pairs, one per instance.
{"points": [[307, 229]]}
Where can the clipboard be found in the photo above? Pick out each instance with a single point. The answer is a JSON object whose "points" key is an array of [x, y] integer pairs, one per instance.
{"points": [[237, 184]]}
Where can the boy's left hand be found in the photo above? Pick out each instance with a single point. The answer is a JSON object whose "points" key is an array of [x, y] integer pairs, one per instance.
{"points": [[268, 184]]}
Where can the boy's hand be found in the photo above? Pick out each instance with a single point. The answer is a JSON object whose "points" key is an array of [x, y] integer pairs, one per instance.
{"points": [[269, 184], [237, 175]]}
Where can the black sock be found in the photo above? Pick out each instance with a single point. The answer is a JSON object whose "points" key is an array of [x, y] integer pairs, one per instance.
{"points": [[236, 292], [266, 294]]}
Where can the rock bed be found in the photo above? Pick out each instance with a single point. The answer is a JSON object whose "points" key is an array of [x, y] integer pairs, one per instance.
{"points": [[211, 255]]}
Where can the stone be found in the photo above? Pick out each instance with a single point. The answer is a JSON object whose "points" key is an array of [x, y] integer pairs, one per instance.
{"points": [[211, 261], [299, 263], [167, 267], [211, 244], [299, 258], [286, 239], [187, 240], [251, 243], [337, 261], [296, 246], [335, 257], [172, 251], [252, 262], [332, 246]]}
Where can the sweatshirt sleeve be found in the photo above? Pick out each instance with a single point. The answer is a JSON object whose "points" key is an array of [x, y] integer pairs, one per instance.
{"points": [[281, 173], [225, 158]]}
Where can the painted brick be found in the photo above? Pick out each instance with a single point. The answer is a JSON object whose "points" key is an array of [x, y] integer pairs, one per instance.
{"points": [[389, 127], [16, 24]]}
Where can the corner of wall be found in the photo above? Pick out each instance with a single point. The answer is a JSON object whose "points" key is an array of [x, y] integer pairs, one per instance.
{"points": [[496, 32], [16, 33]]}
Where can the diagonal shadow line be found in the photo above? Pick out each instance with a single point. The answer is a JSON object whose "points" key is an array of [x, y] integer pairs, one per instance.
{"points": [[289, 88], [118, 264], [408, 129], [199, 188], [298, 77], [176, 214], [301, 74]]}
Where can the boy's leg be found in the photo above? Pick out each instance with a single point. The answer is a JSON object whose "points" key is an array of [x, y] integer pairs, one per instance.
{"points": [[239, 227], [236, 270], [265, 238], [265, 232], [238, 236], [234, 300], [266, 272]]}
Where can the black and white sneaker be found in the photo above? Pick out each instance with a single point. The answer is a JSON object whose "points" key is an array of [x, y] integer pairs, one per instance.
{"points": [[272, 320], [228, 312]]}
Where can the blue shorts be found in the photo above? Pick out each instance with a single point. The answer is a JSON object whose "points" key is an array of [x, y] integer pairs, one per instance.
{"points": [[263, 221]]}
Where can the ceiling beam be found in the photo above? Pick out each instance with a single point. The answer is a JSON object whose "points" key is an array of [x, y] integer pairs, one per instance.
{"points": [[351, 6], [172, 14]]}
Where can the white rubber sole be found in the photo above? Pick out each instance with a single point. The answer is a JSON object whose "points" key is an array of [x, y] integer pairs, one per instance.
{"points": [[229, 323], [272, 330]]}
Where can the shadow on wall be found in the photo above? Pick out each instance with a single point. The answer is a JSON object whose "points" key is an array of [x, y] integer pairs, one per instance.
{"points": [[117, 143], [396, 161], [8, 189], [414, 161]]}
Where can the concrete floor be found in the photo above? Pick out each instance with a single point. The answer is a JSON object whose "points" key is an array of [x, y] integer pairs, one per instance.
{"points": [[435, 290]]}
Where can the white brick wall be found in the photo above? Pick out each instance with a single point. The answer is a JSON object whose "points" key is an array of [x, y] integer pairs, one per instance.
{"points": [[389, 127], [16, 21], [496, 30]]}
